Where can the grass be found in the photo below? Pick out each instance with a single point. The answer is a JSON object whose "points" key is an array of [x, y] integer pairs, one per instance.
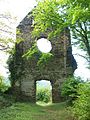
{"points": [[28, 111]]}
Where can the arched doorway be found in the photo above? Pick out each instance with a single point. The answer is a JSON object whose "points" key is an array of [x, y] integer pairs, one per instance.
{"points": [[43, 92]]}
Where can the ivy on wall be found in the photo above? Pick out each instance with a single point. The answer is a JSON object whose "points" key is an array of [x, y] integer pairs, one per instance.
{"points": [[41, 57]]}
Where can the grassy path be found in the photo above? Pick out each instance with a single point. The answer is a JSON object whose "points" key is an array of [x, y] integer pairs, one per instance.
{"points": [[28, 111]]}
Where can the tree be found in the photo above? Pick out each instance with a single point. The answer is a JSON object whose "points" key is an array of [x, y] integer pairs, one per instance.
{"points": [[55, 15], [81, 107], [69, 88], [6, 31]]}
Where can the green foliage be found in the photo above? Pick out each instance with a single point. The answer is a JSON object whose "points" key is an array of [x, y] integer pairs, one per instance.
{"points": [[45, 57], [81, 108], [43, 94], [69, 88], [3, 86], [28, 111], [34, 52], [12, 68], [52, 16], [47, 17], [6, 100], [14, 63], [59, 14], [19, 38]]}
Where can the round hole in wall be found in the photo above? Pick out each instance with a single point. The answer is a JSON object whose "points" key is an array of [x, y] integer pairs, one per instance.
{"points": [[44, 45]]}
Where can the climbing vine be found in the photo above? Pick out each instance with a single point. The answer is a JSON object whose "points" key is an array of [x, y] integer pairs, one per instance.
{"points": [[42, 57]]}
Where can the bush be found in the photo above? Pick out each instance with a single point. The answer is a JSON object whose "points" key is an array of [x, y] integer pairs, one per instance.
{"points": [[6, 100], [3, 86], [69, 89], [43, 95], [81, 108]]}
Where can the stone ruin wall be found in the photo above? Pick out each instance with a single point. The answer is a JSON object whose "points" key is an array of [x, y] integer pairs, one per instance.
{"points": [[56, 70]]}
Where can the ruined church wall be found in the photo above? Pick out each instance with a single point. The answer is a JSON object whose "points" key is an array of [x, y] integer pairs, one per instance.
{"points": [[56, 70]]}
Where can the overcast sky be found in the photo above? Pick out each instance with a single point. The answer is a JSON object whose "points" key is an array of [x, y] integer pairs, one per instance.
{"points": [[19, 9]]}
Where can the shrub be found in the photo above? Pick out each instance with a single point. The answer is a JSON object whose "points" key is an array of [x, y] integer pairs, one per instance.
{"points": [[3, 86], [69, 88], [6, 100], [81, 108], [43, 94]]}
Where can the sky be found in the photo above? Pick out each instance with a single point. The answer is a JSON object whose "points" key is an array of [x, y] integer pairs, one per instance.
{"points": [[44, 43], [18, 10]]}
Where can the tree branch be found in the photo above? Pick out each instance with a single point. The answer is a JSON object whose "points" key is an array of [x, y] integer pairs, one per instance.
{"points": [[88, 60], [4, 47]]}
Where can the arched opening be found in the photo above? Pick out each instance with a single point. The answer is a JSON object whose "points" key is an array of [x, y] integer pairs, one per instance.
{"points": [[44, 45], [43, 92]]}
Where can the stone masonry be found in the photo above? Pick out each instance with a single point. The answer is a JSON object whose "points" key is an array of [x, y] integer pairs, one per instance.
{"points": [[56, 70]]}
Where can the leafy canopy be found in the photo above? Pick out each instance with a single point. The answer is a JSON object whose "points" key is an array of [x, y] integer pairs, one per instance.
{"points": [[53, 16], [57, 14]]}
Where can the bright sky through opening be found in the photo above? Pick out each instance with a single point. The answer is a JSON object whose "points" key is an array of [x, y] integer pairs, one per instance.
{"points": [[44, 45]]}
